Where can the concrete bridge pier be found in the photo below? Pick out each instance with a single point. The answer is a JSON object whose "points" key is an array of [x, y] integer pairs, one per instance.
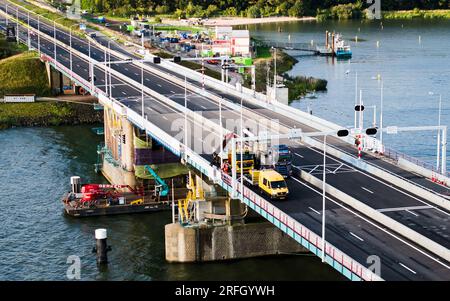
{"points": [[223, 233]]}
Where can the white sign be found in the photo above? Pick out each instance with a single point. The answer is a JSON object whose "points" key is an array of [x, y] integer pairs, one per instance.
{"points": [[19, 98], [392, 130]]}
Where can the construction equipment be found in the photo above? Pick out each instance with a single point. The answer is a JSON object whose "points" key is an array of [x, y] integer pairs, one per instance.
{"points": [[269, 182], [162, 189], [278, 157]]}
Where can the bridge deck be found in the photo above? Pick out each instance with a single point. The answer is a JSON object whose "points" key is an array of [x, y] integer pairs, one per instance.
{"points": [[344, 226]]}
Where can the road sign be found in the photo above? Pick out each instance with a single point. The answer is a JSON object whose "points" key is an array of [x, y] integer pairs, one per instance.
{"points": [[392, 130], [82, 26]]}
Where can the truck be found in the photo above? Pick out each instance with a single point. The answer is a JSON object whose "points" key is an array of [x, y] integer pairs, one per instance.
{"points": [[278, 157], [270, 183], [248, 160]]}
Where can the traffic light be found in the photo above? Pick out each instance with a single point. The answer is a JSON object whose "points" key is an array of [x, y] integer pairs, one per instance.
{"points": [[176, 59], [371, 131], [156, 60], [359, 108], [342, 133]]}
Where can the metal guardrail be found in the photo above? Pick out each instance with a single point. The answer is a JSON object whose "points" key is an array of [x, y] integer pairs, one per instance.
{"points": [[396, 155]]}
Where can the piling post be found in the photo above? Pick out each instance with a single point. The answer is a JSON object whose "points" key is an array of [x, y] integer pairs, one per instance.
{"points": [[101, 247], [75, 182], [326, 39]]}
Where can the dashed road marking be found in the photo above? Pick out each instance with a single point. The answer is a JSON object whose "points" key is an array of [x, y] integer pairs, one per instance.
{"points": [[409, 269], [354, 235], [369, 191], [314, 210]]}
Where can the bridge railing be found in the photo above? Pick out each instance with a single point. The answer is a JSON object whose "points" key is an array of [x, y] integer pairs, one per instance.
{"points": [[303, 235]]}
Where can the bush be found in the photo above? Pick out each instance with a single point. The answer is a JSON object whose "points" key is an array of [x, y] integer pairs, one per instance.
{"points": [[157, 20], [211, 10], [297, 10], [230, 11], [253, 12], [162, 9]]}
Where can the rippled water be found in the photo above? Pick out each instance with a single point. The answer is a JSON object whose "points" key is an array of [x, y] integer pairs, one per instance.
{"points": [[413, 59], [36, 237]]}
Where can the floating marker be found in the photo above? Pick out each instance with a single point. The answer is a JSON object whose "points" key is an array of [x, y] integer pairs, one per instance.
{"points": [[289, 38], [378, 44], [420, 39], [312, 42], [356, 39]]}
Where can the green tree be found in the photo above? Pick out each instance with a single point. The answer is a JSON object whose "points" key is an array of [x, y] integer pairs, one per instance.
{"points": [[297, 10], [253, 12]]}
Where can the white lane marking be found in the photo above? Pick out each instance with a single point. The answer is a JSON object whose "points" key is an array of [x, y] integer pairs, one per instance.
{"points": [[147, 79], [409, 269], [159, 85], [404, 208], [137, 74], [126, 68], [148, 108], [314, 168], [172, 91], [369, 191], [413, 213], [338, 168], [375, 225], [203, 107], [382, 182], [124, 93], [85, 69], [354, 235], [299, 155], [314, 210]]}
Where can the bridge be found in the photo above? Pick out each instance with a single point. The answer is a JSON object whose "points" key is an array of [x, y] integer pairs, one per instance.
{"points": [[373, 206]]}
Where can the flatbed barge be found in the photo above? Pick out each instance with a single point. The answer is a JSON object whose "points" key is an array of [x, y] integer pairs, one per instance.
{"points": [[105, 199], [73, 207]]}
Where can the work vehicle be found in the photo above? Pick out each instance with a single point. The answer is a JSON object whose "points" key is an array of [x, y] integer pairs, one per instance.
{"points": [[278, 157], [269, 182]]}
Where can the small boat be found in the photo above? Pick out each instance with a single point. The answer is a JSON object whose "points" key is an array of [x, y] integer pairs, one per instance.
{"points": [[342, 51]]}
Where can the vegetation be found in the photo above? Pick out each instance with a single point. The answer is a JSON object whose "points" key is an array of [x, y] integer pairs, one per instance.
{"points": [[46, 114], [44, 13], [9, 48], [22, 74], [298, 86], [418, 13], [340, 9]]}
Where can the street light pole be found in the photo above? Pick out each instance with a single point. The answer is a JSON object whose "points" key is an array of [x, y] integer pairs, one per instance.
{"points": [[324, 195], [438, 156], [54, 35], [185, 115], [381, 116]]}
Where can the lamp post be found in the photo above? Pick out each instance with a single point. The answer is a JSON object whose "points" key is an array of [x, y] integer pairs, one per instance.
{"points": [[439, 132], [70, 52], [54, 34], [39, 31]]}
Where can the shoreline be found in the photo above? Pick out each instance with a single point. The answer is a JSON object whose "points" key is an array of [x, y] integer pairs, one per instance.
{"points": [[236, 21], [47, 113]]}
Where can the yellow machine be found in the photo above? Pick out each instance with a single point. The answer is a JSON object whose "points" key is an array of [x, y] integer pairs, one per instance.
{"points": [[270, 182], [248, 160], [137, 202], [195, 193]]}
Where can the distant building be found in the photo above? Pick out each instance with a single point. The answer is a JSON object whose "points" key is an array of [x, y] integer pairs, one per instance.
{"points": [[231, 42]]}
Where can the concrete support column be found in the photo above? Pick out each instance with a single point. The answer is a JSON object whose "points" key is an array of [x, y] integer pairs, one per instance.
{"points": [[127, 147]]}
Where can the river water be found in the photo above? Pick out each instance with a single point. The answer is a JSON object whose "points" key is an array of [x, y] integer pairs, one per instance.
{"points": [[36, 237], [36, 163], [413, 59]]}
